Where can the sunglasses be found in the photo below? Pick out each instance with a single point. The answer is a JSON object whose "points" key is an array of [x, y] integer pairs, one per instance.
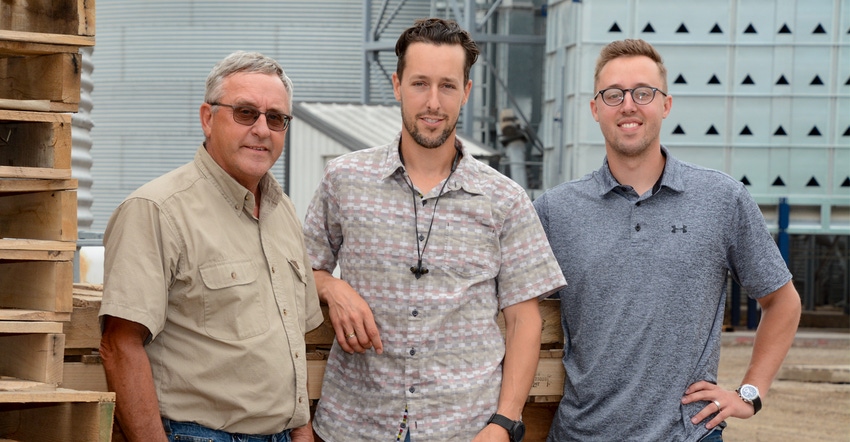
{"points": [[248, 115]]}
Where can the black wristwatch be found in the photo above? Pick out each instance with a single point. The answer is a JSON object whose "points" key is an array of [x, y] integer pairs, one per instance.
{"points": [[516, 429], [750, 394]]}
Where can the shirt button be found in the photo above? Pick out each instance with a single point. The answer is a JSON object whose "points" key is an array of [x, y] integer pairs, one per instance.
{"points": [[412, 389], [246, 197], [415, 313], [285, 312], [273, 270], [412, 351], [300, 399], [233, 275], [421, 237], [637, 203], [296, 355], [637, 228]]}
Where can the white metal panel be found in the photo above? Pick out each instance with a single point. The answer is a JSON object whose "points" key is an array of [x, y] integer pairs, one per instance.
{"points": [[761, 90]]}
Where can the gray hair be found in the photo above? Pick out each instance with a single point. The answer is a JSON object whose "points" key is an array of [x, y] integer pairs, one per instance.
{"points": [[241, 61]]}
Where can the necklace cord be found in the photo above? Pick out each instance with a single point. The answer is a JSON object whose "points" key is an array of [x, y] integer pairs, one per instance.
{"points": [[417, 270]]}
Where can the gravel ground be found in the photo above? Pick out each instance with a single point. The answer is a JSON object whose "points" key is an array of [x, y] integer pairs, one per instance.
{"points": [[793, 410]]}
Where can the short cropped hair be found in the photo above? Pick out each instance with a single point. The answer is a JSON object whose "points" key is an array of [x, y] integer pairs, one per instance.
{"points": [[241, 61], [629, 48], [436, 31]]}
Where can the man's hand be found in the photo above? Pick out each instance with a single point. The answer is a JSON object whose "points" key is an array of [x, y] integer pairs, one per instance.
{"points": [[492, 433], [302, 434], [351, 316], [731, 405]]}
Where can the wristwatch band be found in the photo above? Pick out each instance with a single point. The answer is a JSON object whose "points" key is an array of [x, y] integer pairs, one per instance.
{"points": [[516, 429]]}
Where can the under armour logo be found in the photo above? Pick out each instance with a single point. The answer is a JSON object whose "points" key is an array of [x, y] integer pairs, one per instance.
{"points": [[684, 228]]}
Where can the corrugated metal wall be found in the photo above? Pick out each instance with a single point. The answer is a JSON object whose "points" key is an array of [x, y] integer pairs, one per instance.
{"points": [[152, 57]]}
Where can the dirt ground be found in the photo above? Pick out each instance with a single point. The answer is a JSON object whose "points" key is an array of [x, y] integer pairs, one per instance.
{"points": [[793, 410]]}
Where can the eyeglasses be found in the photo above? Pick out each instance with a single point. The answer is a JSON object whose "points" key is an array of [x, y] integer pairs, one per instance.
{"points": [[643, 95], [248, 115]]}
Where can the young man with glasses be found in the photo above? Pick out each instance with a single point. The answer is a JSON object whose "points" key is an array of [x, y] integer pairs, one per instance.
{"points": [[431, 245], [646, 242], [208, 290]]}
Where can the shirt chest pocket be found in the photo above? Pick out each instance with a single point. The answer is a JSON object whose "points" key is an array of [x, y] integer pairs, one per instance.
{"points": [[233, 303]]}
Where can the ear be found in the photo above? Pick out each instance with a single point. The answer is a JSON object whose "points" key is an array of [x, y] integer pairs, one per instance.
{"points": [[668, 104], [206, 115], [396, 86], [593, 110], [466, 90]]}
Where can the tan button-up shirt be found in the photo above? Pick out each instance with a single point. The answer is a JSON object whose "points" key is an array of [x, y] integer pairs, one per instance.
{"points": [[227, 297]]}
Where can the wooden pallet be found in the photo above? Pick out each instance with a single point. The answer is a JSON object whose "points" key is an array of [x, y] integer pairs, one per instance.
{"points": [[33, 411], [35, 145], [48, 20], [38, 278], [40, 82], [33, 351]]}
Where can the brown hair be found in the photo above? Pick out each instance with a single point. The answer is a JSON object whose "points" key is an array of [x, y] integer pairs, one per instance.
{"points": [[436, 31], [629, 48]]}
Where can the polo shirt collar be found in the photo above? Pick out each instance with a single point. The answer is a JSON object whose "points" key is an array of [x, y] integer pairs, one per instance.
{"points": [[671, 177], [464, 176]]}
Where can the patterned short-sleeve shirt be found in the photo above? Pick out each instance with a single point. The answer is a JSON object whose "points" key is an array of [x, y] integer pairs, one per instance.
{"points": [[442, 346]]}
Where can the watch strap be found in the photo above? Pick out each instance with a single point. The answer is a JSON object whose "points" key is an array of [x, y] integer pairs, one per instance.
{"points": [[504, 422]]}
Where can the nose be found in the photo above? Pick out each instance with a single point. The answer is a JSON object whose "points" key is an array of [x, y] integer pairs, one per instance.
{"points": [[433, 97], [261, 126], [628, 103]]}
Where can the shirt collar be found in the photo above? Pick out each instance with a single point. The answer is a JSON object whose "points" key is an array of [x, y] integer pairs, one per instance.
{"points": [[464, 176], [671, 176], [237, 195]]}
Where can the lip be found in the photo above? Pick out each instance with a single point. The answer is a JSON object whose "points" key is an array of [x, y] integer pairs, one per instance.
{"points": [[629, 125], [257, 148], [431, 120]]}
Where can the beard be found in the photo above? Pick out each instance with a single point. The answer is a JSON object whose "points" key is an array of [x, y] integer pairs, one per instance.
{"points": [[422, 139]]}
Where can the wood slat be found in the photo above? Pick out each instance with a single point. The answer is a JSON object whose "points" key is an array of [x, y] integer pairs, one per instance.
{"points": [[20, 185]]}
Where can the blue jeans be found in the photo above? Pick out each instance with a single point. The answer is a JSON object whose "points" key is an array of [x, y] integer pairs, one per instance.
{"points": [[714, 436], [192, 432]]}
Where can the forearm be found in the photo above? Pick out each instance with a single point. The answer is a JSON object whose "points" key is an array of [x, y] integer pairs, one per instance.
{"points": [[324, 285], [128, 374], [774, 336], [522, 352]]}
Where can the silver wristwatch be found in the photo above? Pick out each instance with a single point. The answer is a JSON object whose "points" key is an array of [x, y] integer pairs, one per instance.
{"points": [[750, 394]]}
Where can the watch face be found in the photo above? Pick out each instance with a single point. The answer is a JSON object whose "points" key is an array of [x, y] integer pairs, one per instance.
{"points": [[519, 431], [749, 392]]}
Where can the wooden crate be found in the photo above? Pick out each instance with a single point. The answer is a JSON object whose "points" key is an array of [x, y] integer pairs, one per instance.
{"points": [[32, 351], [35, 290], [48, 20], [50, 215], [31, 411], [82, 332], [47, 83], [35, 145], [83, 368]]}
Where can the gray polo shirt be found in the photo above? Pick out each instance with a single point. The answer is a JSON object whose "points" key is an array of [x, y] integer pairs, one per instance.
{"points": [[643, 312]]}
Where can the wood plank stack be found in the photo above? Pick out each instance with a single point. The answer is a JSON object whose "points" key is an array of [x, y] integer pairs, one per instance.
{"points": [[40, 67]]}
